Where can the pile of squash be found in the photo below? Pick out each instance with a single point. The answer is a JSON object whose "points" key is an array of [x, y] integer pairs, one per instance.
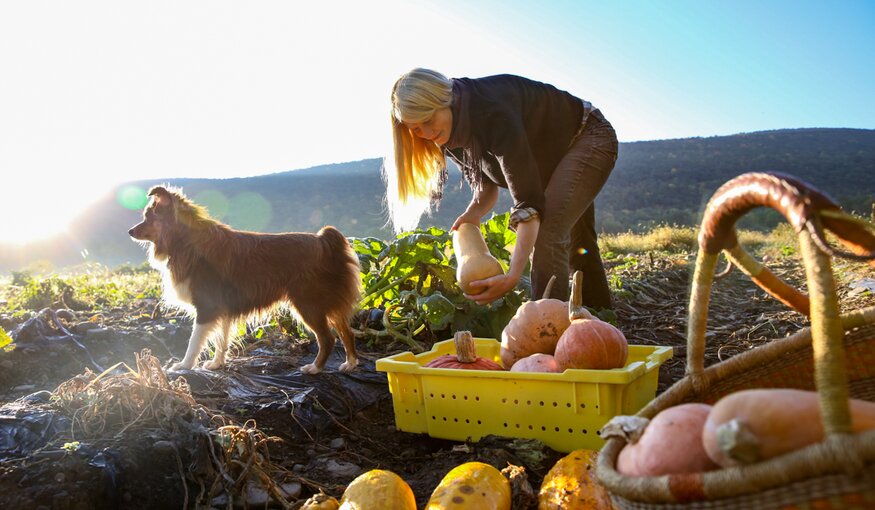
{"points": [[549, 335], [569, 485], [744, 427]]}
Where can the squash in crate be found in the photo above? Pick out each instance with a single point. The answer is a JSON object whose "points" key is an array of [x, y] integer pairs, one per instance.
{"points": [[466, 356], [535, 328], [589, 343], [538, 362]]}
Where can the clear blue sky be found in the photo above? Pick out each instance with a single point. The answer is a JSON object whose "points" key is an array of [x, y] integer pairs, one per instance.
{"points": [[96, 92]]}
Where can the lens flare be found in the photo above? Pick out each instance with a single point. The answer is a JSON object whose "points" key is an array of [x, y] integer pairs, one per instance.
{"points": [[250, 211], [132, 197], [215, 201]]}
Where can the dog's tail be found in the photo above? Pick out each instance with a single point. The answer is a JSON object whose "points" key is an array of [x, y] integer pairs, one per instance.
{"points": [[345, 277]]}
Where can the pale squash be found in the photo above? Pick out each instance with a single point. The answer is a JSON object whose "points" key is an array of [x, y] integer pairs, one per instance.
{"points": [[537, 362], [466, 356], [535, 328], [473, 260], [378, 490], [670, 444], [589, 343], [753, 425], [571, 484], [471, 486]]}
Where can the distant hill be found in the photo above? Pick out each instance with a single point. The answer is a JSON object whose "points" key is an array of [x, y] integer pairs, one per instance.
{"points": [[665, 181]]}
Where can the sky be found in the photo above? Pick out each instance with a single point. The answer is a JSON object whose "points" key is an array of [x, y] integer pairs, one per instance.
{"points": [[94, 93]]}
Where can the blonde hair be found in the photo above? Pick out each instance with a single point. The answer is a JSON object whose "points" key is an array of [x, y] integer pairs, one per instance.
{"points": [[414, 168]]}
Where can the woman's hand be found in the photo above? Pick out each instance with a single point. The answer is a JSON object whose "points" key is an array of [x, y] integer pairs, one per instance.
{"points": [[466, 217], [481, 203], [492, 288]]}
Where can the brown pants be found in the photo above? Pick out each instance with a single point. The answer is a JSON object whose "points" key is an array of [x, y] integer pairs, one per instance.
{"points": [[567, 237]]}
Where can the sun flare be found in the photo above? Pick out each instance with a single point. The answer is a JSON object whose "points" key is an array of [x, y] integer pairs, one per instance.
{"points": [[33, 212]]}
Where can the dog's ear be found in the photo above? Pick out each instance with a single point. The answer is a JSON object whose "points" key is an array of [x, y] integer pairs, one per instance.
{"points": [[161, 195]]}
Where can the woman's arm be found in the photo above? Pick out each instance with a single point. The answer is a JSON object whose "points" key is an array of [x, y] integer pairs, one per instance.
{"points": [[497, 286], [482, 202]]}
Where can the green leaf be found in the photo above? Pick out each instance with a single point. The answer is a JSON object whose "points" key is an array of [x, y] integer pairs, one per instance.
{"points": [[437, 309]]}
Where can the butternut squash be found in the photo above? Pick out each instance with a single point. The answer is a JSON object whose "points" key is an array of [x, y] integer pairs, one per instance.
{"points": [[670, 444], [378, 490], [535, 328], [473, 260], [753, 425], [571, 484], [471, 486]]}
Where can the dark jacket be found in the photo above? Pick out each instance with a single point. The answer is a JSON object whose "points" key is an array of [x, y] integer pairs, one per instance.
{"points": [[512, 131]]}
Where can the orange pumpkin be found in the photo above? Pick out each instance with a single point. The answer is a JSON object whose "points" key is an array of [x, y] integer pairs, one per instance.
{"points": [[466, 356], [535, 328], [589, 343]]}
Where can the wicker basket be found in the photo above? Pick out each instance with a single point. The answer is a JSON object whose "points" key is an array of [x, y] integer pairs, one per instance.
{"points": [[835, 356]]}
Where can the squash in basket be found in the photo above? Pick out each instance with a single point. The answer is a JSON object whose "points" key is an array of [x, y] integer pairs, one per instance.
{"points": [[753, 425], [671, 443], [471, 486]]}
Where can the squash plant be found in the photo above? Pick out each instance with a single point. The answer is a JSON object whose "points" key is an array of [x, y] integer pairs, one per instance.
{"points": [[410, 283]]}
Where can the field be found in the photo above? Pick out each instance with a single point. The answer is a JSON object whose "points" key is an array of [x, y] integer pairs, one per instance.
{"points": [[91, 420]]}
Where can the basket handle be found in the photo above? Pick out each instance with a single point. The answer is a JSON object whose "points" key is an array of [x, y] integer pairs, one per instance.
{"points": [[810, 212]]}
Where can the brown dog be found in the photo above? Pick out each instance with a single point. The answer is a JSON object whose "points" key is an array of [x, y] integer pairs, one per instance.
{"points": [[225, 275]]}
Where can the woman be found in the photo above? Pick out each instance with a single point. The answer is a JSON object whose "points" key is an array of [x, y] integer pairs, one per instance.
{"points": [[553, 152]]}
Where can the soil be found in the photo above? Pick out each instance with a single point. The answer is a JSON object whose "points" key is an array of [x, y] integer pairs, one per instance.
{"points": [[317, 447]]}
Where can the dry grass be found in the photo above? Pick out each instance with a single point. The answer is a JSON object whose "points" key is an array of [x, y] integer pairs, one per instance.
{"points": [[104, 405], [675, 239], [107, 405]]}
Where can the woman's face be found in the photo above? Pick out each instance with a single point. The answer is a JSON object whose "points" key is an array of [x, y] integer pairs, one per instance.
{"points": [[436, 129]]}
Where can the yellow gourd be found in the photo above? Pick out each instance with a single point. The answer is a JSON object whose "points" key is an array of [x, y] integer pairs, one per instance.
{"points": [[473, 260], [378, 490], [320, 501], [471, 486], [571, 484]]}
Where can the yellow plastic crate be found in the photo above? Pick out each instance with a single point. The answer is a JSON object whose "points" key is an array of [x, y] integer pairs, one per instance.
{"points": [[565, 410]]}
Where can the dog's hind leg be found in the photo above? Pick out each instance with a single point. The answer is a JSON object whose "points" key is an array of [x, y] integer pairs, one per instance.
{"points": [[196, 343], [326, 344], [345, 332], [220, 341]]}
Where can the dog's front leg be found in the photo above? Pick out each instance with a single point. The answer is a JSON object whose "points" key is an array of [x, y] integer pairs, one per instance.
{"points": [[220, 342], [199, 336]]}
